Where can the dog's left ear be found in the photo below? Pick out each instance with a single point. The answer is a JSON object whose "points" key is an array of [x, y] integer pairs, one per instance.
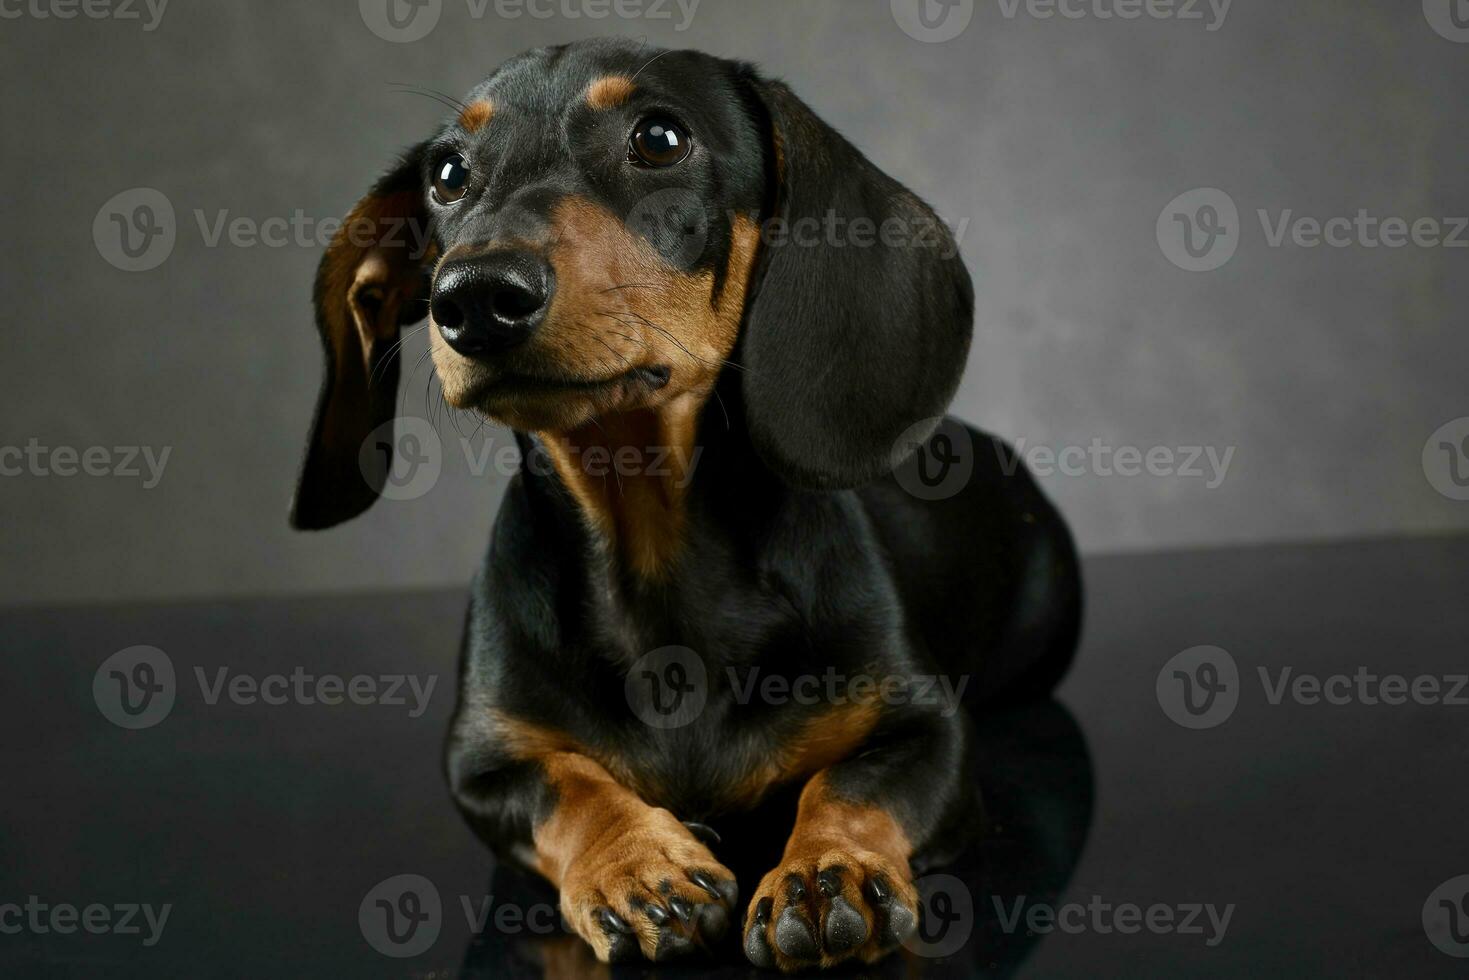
{"points": [[860, 324], [370, 283]]}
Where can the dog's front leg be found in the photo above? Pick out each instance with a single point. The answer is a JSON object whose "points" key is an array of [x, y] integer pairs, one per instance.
{"points": [[634, 881], [844, 888]]}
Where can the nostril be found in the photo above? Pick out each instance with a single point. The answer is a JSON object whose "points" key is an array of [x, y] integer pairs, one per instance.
{"points": [[446, 312], [511, 302]]}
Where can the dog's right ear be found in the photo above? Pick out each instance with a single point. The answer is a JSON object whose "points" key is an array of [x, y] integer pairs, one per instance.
{"points": [[371, 282]]}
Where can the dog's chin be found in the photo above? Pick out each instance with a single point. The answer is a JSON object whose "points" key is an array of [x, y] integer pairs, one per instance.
{"points": [[550, 401]]}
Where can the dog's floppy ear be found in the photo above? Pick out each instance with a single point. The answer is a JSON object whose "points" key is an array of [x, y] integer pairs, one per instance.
{"points": [[370, 282], [859, 327]]}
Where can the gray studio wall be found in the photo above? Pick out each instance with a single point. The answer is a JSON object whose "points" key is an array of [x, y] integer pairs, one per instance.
{"points": [[1057, 141]]}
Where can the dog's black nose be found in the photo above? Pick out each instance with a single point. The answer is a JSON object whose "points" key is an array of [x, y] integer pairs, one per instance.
{"points": [[486, 304]]}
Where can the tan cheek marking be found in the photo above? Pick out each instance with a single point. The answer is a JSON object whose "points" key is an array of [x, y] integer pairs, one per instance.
{"points": [[610, 92], [476, 115], [642, 513]]}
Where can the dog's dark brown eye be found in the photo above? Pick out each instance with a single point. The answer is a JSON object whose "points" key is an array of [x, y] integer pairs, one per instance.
{"points": [[451, 179], [658, 142]]}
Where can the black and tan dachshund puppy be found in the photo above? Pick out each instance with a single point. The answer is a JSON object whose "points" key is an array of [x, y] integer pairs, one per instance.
{"points": [[777, 370]]}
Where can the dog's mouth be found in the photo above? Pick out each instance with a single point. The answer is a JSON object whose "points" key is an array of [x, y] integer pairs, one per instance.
{"points": [[545, 399], [650, 378]]}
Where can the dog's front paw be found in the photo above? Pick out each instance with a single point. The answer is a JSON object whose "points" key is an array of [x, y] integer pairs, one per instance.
{"points": [[829, 902], [648, 889]]}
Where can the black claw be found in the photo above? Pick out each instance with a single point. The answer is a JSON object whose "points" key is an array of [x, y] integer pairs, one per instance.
{"points": [[622, 946], [845, 927], [795, 888], [682, 908], [793, 936], [612, 923], [757, 948], [705, 882], [762, 911], [877, 890], [830, 882], [704, 832], [655, 914]]}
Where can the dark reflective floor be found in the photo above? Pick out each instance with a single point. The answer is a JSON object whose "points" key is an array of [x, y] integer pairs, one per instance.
{"points": [[1280, 834]]}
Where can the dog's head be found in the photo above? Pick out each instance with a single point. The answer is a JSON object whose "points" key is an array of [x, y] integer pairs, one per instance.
{"points": [[604, 229]]}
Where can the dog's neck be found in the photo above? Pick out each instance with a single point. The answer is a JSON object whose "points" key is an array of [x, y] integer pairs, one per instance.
{"points": [[629, 474]]}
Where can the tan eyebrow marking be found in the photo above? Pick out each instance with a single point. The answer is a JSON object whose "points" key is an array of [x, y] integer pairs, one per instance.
{"points": [[610, 92], [476, 115]]}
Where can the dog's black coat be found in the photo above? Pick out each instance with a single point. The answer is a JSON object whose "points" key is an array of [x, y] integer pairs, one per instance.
{"points": [[802, 552]]}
